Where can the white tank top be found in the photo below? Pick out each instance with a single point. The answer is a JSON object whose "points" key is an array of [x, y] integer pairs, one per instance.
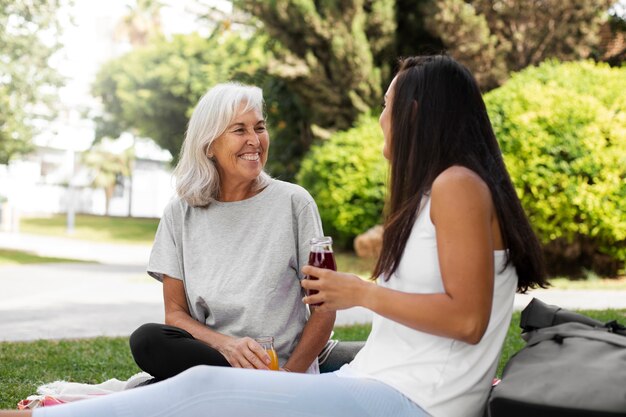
{"points": [[444, 376]]}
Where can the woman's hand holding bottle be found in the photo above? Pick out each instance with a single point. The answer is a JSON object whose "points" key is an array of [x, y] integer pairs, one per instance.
{"points": [[335, 290]]}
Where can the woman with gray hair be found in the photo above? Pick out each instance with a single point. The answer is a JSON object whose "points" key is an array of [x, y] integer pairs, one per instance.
{"points": [[229, 251]]}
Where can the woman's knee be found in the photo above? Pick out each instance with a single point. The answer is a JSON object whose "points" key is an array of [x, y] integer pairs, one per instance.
{"points": [[144, 335]]}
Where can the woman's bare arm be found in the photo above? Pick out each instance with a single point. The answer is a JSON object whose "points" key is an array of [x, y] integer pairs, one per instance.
{"points": [[463, 214], [315, 334]]}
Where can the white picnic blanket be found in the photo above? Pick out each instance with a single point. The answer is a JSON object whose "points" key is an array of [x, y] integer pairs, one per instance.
{"points": [[59, 392]]}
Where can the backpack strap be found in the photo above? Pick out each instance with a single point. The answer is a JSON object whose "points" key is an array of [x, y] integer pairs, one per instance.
{"points": [[616, 327], [563, 331]]}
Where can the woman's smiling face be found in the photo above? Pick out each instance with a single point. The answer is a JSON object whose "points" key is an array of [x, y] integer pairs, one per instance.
{"points": [[240, 152]]}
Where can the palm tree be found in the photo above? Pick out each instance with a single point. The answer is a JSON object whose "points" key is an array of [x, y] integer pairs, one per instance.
{"points": [[141, 22], [107, 168], [139, 25]]}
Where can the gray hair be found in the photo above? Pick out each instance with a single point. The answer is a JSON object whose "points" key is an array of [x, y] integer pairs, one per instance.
{"points": [[197, 178]]}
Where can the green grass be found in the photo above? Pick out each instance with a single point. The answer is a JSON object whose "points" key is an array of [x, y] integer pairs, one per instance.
{"points": [[99, 228], [16, 257], [26, 365], [349, 262], [593, 283]]}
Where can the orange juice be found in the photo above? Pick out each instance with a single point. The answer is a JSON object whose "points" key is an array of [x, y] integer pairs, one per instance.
{"points": [[273, 358], [267, 343]]}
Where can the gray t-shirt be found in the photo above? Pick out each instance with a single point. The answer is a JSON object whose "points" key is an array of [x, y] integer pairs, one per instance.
{"points": [[240, 261]]}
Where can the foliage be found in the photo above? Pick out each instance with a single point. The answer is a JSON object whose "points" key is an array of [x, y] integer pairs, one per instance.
{"points": [[346, 176], [494, 39], [562, 130], [321, 64], [152, 91], [337, 56], [329, 53], [27, 82]]}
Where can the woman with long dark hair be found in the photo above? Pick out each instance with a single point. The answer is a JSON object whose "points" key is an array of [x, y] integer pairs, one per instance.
{"points": [[456, 247]]}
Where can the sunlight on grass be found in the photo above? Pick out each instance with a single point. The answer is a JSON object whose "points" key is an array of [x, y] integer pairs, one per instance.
{"points": [[97, 228], [349, 262], [15, 257], [613, 284]]}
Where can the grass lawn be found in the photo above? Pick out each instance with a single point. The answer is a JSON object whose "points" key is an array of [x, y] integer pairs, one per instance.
{"points": [[100, 228], [15, 257], [26, 365], [594, 283]]}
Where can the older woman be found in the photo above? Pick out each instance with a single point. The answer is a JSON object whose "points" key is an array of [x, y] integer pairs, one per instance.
{"points": [[229, 251]]}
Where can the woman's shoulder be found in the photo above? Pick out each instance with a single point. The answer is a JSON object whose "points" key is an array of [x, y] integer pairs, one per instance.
{"points": [[293, 191], [460, 187], [458, 177], [175, 206]]}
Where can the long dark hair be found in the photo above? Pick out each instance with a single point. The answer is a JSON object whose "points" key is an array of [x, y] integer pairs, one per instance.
{"points": [[449, 126]]}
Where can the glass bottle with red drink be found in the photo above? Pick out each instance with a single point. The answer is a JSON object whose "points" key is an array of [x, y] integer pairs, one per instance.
{"points": [[321, 256]]}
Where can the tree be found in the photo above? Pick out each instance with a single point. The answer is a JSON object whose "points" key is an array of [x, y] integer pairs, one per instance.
{"points": [[27, 83], [329, 53], [152, 91], [336, 56], [108, 169], [141, 23], [495, 38]]}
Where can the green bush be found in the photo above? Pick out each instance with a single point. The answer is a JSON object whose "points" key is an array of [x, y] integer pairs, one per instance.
{"points": [[346, 176], [562, 130]]}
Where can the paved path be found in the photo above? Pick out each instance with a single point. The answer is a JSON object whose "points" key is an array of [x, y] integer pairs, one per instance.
{"points": [[115, 296]]}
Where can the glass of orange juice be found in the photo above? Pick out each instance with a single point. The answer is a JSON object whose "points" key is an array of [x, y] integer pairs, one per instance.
{"points": [[267, 343]]}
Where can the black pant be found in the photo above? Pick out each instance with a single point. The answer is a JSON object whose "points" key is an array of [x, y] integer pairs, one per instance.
{"points": [[165, 351]]}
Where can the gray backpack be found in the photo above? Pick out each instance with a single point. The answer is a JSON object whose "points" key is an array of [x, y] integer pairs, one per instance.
{"points": [[571, 366]]}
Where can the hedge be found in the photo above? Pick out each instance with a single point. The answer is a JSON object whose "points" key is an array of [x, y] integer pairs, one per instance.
{"points": [[346, 176], [562, 130]]}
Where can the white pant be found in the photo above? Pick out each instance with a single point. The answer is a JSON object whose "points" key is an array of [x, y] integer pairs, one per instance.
{"points": [[214, 391]]}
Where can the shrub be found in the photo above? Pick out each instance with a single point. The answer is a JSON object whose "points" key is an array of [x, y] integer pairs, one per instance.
{"points": [[346, 176], [562, 130]]}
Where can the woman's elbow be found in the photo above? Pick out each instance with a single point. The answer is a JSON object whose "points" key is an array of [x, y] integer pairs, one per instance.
{"points": [[473, 331], [173, 318]]}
